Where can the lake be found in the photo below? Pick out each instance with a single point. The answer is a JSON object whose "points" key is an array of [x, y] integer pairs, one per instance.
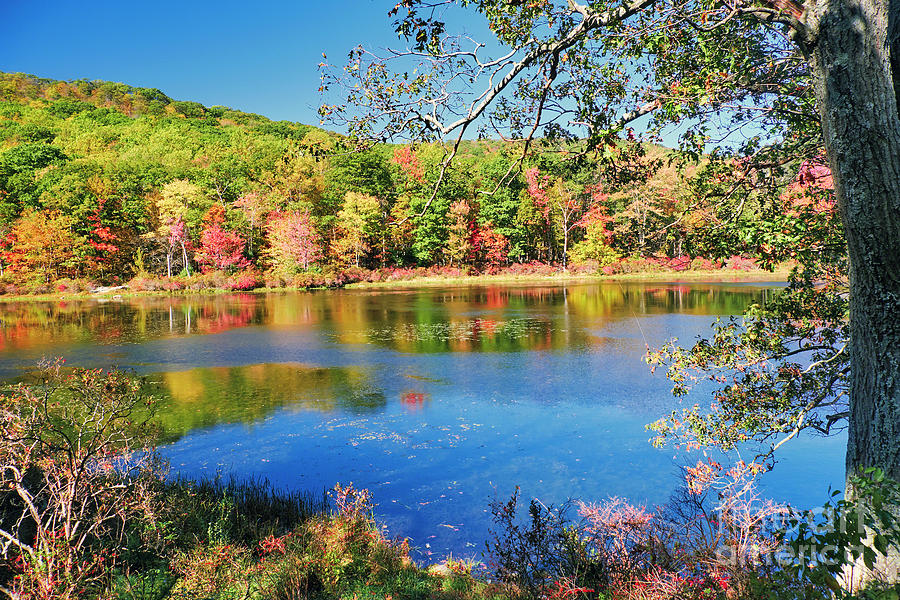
{"points": [[438, 399]]}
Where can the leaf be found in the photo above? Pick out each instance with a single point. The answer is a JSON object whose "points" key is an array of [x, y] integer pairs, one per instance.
{"points": [[869, 557]]}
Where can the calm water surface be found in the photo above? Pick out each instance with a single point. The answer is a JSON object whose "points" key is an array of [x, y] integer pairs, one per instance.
{"points": [[438, 400]]}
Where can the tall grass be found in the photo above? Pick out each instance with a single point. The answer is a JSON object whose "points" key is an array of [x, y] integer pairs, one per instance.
{"points": [[243, 510]]}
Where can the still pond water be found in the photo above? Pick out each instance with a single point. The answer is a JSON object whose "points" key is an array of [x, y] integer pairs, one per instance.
{"points": [[438, 400]]}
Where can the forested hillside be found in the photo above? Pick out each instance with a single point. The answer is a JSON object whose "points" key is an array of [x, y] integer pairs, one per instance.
{"points": [[107, 182]]}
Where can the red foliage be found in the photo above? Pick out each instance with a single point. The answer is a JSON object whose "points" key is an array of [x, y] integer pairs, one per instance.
{"points": [[293, 239], [409, 164], [536, 190], [274, 545], [219, 249], [245, 280], [812, 190], [489, 247], [815, 173], [680, 263], [740, 263], [598, 214], [701, 263], [101, 237], [566, 588], [178, 235]]}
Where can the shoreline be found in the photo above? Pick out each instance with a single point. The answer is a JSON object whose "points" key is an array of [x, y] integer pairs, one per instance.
{"points": [[560, 278], [705, 276]]}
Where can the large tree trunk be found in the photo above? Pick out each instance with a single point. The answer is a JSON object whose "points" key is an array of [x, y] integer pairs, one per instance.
{"points": [[857, 102]]}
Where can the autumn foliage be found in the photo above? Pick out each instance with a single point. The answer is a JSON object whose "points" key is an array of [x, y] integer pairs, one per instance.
{"points": [[178, 188], [74, 470], [219, 248], [294, 242]]}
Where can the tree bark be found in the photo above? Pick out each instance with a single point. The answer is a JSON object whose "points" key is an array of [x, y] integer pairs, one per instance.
{"points": [[854, 80], [854, 87], [187, 265]]}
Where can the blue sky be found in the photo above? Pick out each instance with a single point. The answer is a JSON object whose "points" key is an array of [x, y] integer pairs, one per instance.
{"points": [[259, 57]]}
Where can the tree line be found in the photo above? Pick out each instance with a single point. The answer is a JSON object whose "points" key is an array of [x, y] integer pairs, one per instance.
{"points": [[107, 181]]}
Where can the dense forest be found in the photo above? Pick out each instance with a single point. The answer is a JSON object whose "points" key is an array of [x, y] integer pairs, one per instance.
{"points": [[105, 182]]}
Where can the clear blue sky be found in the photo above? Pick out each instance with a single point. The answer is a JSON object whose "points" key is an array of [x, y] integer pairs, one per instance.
{"points": [[259, 56]]}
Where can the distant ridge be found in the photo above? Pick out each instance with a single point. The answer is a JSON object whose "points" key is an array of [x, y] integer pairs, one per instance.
{"points": [[76, 95]]}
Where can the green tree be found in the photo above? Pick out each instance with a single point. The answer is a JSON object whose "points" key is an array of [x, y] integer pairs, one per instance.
{"points": [[19, 173], [498, 197], [297, 182], [361, 172], [358, 223], [182, 200]]}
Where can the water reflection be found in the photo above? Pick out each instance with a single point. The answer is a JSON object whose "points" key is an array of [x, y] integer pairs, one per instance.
{"points": [[436, 399], [201, 398], [28, 325], [485, 319]]}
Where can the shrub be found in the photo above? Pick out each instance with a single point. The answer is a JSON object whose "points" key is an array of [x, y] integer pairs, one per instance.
{"points": [[593, 248], [75, 467], [704, 264], [274, 280], [588, 267], [245, 280], [146, 284], [348, 546], [642, 265], [740, 263], [619, 550], [329, 556], [531, 268], [73, 286], [105, 524], [36, 288], [173, 284], [399, 273], [735, 547], [354, 274], [679, 263], [534, 556], [217, 570], [612, 269], [138, 284]]}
